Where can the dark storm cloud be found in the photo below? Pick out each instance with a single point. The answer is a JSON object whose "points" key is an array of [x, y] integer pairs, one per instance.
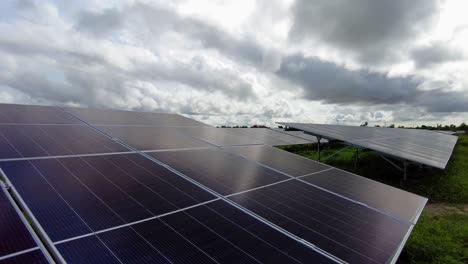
{"points": [[334, 84], [433, 54], [372, 30]]}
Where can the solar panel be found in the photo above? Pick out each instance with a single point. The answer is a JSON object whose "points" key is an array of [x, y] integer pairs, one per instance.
{"points": [[424, 147], [280, 160], [197, 194], [218, 170], [27, 141], [219, 137], [268, 136], [349, 231], [128, 118], [18, 243], [299, 134], [212, 233], [79, 195], [32, 114], [153, 138]]}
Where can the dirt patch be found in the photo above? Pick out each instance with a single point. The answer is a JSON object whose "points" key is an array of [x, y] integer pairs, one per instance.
{"points": [[445, 209]]}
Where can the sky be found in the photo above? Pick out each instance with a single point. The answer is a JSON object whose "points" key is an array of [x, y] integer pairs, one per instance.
{"points": [[242, 62]]}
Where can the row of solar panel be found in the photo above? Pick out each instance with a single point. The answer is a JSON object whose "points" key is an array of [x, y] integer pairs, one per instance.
{"points": [[421, 146], [119, 205], [84, 195]]}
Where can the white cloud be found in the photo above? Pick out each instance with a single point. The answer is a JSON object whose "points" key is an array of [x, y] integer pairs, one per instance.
{"points": [[224, 62]]}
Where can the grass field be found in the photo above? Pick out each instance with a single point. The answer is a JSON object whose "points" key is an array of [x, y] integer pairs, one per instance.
{"points": [[441, 235]]}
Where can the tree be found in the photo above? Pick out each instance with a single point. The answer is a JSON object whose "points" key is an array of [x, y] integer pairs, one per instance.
{"points": [[392, 126], [463, 126], [365, 124]]}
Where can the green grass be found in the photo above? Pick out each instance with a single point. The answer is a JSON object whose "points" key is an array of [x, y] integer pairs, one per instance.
{"points": [[438, 238], [441, 234]]}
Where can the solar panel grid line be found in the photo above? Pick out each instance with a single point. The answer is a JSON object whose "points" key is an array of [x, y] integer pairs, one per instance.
{"points": [[50, 250], [253, 234], [120, 217], [134, 222], [190, 242], [345, 233], [357, 202], [39, 246], [67, 156], [326, 254], [344, 248], [6, 257]]}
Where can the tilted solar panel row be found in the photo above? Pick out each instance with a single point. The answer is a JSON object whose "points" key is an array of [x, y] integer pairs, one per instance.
{"points": [[421, 146], [198, 203]]}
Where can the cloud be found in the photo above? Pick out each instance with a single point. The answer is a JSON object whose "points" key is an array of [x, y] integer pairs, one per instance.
{"points": [[373, 31], [435, 53], [334, 84], [99, 24]]}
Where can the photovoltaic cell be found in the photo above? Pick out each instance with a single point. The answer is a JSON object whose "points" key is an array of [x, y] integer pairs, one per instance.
{"points": [[15, 236], [127, 118], [268, 136], [347, 230], [421, 146], [393, 201], [27, 141], [35, 256], [218, 170], [31, 114], [153, 138], [211, 233], [83, 194], [219, 137], [280, 160]]}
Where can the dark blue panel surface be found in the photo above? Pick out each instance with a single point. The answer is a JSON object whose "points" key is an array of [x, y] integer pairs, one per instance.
{"points": [[42, 140], [213, 233], [53, 213], [14, 236], [153, 138], [87, 250], [116, 117], [32, 114], [222, 172], [32, 257], [130, 247], [281, 160], [345, 229]]}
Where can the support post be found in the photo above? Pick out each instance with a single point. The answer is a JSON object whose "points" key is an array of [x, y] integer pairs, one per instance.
{"points": [[356, 158], [318, 147], [405, 165]]}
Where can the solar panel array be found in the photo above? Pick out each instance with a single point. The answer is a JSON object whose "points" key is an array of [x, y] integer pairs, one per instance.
{"points": [[162, 188], [421, 146]]}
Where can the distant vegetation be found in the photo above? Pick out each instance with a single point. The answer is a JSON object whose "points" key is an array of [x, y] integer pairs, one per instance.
{"points": [[441, 235]]}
